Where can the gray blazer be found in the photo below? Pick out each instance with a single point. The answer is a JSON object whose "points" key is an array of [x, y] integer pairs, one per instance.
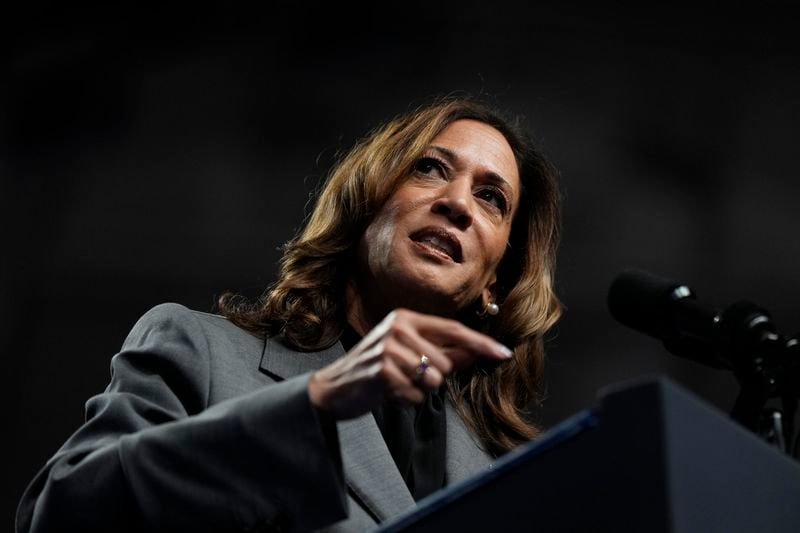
{"points": [[206, 427]]}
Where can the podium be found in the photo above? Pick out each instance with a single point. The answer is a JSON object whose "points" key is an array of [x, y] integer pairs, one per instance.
{"points": [[650, 457]]}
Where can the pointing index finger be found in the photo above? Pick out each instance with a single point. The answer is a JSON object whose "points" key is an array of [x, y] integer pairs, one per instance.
{"points": [[445, 331]]}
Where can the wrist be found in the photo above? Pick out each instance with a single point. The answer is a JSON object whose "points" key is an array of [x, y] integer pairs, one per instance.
{"points": [[316, 395]]}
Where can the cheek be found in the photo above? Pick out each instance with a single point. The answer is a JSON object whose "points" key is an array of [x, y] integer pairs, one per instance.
{"points": [[381, 240], [378, 239], [495, 247]]}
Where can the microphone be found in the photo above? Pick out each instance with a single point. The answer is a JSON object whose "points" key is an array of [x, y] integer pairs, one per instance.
{"points": [[740, 338], [668, 310]]}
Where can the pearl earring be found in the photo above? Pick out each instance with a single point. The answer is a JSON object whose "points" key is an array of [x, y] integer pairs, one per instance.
{"points": [[489, 309]]}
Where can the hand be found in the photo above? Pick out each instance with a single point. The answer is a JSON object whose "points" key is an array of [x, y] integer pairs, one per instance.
{"points": [[387, 358]]}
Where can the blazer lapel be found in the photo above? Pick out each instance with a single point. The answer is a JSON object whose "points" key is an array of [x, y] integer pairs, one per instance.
{"points": [[371, 472], [369, 469], [464, 456]]}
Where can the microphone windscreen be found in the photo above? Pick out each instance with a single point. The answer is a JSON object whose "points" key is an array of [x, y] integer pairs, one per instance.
{"points": [[642, 301]]}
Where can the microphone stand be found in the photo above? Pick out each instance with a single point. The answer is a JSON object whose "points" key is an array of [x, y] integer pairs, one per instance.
{"points": [[767, 366]]}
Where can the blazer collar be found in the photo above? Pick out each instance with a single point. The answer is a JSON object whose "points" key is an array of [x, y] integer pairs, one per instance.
{"points": [[282, 362]]}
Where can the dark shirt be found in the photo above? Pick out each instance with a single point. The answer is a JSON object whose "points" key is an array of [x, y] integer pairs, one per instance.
{"points": [[415, 435]]}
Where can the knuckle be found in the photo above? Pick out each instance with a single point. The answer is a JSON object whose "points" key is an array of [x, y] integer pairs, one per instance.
{"points": [[435, 380], [403, 315], [382, 372], [371, 371], [446, 366], [406, 396], [379, 349], [393, 328], [389, 347], [399, 331], [452, 323]]}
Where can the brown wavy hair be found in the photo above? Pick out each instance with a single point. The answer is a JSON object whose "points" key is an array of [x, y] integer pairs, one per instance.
{"points": [[307, 303]]}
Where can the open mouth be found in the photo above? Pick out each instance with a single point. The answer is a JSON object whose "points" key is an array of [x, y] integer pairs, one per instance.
{"points": [[440, 240]]}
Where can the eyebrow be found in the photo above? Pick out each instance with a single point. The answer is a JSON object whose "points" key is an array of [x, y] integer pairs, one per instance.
{"points": [[494, 177]]}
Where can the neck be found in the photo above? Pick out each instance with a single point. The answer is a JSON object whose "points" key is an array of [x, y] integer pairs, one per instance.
{"points": [[355, 309], [365, 307]]}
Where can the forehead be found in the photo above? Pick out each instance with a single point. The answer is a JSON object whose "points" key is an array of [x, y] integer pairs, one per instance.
{"points": [[481, 147]]}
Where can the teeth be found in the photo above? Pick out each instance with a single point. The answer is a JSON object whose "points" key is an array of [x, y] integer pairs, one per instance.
{"points": [[439, 243]]}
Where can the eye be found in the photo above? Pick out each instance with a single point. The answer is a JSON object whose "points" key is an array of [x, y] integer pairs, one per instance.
{"points": [[430, 166], [493, 196]]}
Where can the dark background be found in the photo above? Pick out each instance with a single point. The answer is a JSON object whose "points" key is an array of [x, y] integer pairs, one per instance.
{"points": [[166, 155]]}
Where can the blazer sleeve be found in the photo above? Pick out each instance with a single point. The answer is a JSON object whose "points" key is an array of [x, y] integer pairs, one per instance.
{"points": [[153, 455]]}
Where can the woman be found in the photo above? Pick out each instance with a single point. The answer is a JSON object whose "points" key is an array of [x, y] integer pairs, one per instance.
{"points": [[370, 375]]}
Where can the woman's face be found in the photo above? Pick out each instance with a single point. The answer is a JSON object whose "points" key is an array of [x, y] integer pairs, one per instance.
{"points": [[436, 243]]}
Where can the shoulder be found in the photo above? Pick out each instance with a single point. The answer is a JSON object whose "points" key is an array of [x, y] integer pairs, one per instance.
{"points": [[167, 313], [178, 315], [167, 321], [178, 343], [174, 322], [175, 314]]}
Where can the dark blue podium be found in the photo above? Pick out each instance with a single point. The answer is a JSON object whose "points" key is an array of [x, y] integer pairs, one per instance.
{"points": [[651, 457]]}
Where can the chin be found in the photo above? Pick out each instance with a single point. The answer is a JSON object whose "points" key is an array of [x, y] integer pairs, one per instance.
{"points": [[432, 295]]}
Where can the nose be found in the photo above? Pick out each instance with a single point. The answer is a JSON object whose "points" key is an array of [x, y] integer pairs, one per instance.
{"points": [[455, 202]]}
